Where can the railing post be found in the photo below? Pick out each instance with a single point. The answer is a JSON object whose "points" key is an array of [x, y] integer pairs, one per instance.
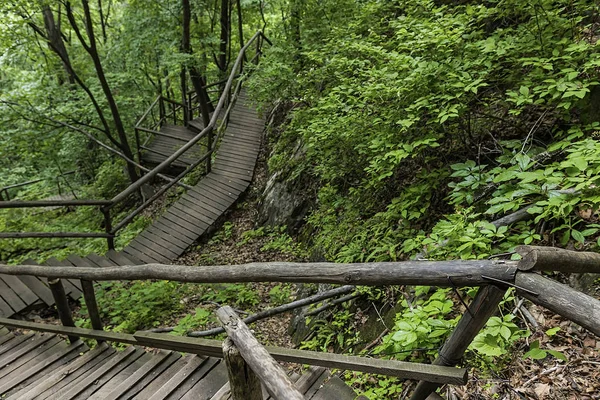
{"points": [[161, 109], [108, 227], [209, 140], [90, 301], [243, 382], [138, 144], [481, 309], [62, 305]]}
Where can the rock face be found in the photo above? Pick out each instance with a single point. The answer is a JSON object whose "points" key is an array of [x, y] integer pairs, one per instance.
{"points": [[282, 204]]}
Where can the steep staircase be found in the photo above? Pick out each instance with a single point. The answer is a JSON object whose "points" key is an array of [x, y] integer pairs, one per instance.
{"points": [[175, 230]]}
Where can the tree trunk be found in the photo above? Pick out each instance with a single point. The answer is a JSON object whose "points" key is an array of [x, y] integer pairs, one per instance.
{"points": [[92, 50], [224, 37], [56, 42]]}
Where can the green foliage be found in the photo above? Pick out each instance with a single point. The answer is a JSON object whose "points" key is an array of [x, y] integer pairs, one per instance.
{"points": [[539, 354], [420, 329], [280, 294], [192, 322], [226, 294], [128, 307]]}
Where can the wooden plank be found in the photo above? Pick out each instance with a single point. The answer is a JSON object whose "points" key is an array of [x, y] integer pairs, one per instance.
{"points": [[122, 376], [334, 388], [140, 373], [16, 360], [148, 379], [35, 373], [11, 298], [21, 289], [229, 154], [161, 229], [38, 286], [204, 205], [232, 162], [145, 259], [158, 245], [124, 367], [144, 247], [99, 260], [175, 222], [163, 378], [233, 146], [168, 226], [199, 375], [22, 349], [215, 192], [5, 309], [182, 219], [183, 374], [223, 171], [122, 259], [170, 236], [16, 342], [207, 387], [236, 184], [223, 187], [56, 379], [199, 211], [167, 240], [108, 367], [317, 384]]}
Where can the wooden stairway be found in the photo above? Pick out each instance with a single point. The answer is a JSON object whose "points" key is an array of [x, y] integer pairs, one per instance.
{"points": [[173, 232], [44, 366]]}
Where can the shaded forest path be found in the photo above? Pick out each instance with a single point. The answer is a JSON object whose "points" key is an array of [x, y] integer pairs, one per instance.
{"points": [[173, 232]]}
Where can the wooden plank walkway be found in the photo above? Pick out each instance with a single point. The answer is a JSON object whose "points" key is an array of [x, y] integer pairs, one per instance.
{"points": [[39, 366], [172, 233]]}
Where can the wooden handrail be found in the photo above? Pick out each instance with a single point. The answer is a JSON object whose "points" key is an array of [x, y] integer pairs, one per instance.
{"points": [[53, 203], [258, 359], [143, 117], [166, 163], [213, 348], [22, 235], [457, 273]]}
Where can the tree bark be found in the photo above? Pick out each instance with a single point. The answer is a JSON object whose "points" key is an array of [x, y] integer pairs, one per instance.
{"points": [[224, 37], [92, 50], [56, 42]]}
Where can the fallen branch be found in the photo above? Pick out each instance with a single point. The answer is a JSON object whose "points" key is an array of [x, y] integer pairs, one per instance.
{"points": [[332, 303], [270, 312]]}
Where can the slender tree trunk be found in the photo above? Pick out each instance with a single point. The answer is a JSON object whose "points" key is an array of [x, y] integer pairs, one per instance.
{"points": [[224, 36], [197, 80], [92, 50], [56, 42], [239, 21]]}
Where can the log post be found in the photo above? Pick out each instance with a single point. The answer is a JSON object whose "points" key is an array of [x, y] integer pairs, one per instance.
{"points": [[483, 307], [258, 358], [110, 240], [209, 143], [92, 306], [243, 382], [62, 305], [539, 258], [561, 299]]}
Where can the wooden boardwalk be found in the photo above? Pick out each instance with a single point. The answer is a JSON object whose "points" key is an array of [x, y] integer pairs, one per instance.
{"points": [[172, 233], [37, 366]]}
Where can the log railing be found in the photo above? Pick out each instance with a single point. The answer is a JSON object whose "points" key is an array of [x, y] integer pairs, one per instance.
{"points": [[493, 276], [217, 123], [5, 190]]}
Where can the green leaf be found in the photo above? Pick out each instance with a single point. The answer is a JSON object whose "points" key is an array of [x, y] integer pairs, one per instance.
{"points": [[553, 331], [536, 354]]}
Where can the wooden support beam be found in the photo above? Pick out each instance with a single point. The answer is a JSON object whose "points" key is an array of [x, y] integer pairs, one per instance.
{"points": [[92, 305], [433, 273], [540, 258], [264, 366], [483, 307], [62, 305], [561, 299], [243, 382]]}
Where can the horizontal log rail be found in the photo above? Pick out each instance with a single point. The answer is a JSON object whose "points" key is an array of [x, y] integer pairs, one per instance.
{"points": [[435, 273], [21, 235], [53, 203]]}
